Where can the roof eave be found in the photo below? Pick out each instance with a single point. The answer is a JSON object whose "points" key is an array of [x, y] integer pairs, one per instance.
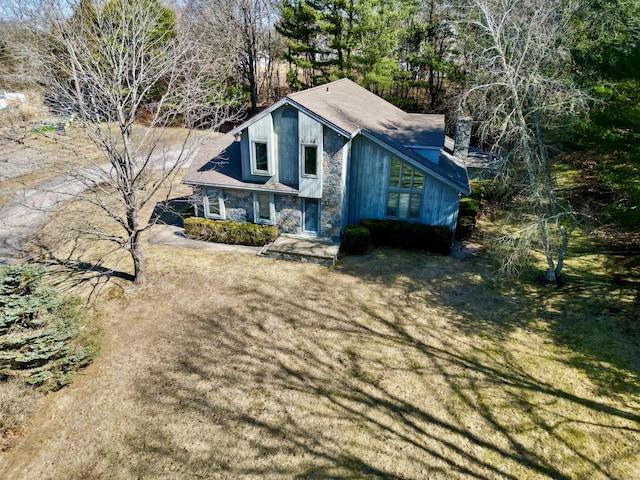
{"points": [[421, 166], [257, 117], [240, 187]]}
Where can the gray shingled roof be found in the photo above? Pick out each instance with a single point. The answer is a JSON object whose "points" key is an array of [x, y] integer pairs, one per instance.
{"points": [[352, 109], [218, 164]]}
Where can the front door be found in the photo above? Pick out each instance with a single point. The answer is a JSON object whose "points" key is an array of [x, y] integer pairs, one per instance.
{"points": [[311, 215]]}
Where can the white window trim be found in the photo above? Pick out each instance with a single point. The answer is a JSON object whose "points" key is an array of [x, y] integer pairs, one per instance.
{"points": [[205, 204], [252, 153], [303, 160], [256, 210]]}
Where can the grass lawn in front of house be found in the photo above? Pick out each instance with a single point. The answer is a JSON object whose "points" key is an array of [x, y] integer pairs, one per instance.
{"points": [[391, 365]]}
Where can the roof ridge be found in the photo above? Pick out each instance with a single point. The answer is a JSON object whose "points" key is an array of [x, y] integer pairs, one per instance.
{"points": [[324, 85]]}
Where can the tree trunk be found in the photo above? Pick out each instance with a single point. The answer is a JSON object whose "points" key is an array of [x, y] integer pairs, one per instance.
{"points": [[136, 249], [137, 255]]}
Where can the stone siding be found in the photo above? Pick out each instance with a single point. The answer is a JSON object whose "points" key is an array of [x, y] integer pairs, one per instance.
{"points": [[288, 213], [238, 205], [332, 184]]}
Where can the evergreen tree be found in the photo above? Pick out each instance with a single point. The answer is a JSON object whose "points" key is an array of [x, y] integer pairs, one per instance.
{"points": [[39, 331]]}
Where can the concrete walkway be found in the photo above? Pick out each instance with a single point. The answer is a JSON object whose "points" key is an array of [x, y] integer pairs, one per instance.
{"points": [[322, 251], [287, 247]]}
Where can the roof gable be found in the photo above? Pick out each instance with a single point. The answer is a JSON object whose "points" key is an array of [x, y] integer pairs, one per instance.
{"points": [[350, 110]]}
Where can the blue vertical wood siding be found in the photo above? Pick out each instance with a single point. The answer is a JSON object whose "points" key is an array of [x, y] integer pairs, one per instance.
{"points": [[368, 181], [285, 129], [310, 133], [260, 131]]}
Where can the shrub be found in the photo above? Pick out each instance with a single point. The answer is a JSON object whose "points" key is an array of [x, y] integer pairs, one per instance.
{"points": [[467, 213], [234, 233], [39, 331], [469, 207], [409, 236], [356, 240], [492, 191]]}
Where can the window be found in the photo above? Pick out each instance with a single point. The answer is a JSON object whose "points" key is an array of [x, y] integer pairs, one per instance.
{"points": [[310, 159], [405, 191], [263, 208], [260, 158], [213, 204]]}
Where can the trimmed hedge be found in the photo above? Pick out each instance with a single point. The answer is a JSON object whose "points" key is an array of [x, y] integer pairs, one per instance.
{"points": [[467, 213], [233, 233], [356, 240], [409, 236]]}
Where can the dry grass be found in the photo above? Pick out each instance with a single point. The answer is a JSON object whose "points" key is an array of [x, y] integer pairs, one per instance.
{"points": [[393, 365], [17, 402]]}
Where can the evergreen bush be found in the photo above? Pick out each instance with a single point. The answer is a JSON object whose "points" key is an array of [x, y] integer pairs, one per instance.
{"points": [[39, 331], [467, 213], [234, 233], [356, 240], [409, 236]]}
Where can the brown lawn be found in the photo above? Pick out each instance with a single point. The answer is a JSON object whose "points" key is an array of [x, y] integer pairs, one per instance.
{"points": [[393, 365]]}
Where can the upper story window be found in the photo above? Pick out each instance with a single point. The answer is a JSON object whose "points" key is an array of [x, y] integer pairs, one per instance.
{"points": [[310, 160], [213, 204], [404, 196], [260, 164]]}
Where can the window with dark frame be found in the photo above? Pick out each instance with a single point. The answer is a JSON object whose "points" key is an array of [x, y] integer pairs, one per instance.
{"points": [[310, 153], [261, 156], [405, 191]]}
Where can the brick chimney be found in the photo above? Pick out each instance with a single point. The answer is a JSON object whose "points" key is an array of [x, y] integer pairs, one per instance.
{"points": [[463, 138]]}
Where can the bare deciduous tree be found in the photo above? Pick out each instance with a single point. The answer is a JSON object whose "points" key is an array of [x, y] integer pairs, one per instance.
{"points": [[519, 90], [248, 30], [19, 62], [114, 65]]}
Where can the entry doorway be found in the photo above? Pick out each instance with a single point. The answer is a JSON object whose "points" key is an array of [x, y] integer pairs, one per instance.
{"points": [[311, 215]]}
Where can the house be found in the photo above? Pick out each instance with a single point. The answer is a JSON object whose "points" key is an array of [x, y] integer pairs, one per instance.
{"points": [[324, 158]]}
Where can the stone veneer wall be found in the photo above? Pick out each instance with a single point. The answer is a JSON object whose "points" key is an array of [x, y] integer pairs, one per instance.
{"points": [[238, 205], [332, 184], [288, 213]]}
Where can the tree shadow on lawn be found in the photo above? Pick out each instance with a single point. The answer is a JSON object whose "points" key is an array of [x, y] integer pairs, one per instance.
{"points": [[307, 379], [594, 315]]}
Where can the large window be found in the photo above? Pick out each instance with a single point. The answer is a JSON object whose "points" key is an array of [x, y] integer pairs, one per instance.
{"points": [[260, 158], [263, 208], [213, 204], [310, 160], [405, 191]]}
